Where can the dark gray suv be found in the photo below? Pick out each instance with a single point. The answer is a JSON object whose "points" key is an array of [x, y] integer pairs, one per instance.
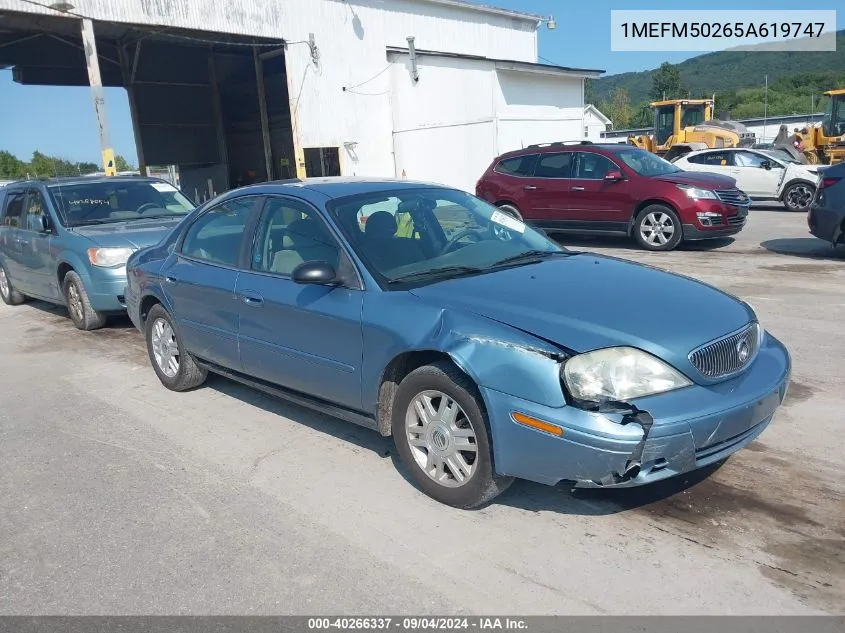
{"points": [[826, 217]]}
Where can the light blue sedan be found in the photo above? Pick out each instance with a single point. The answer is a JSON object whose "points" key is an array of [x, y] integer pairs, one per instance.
{"points": [[487, 351]]}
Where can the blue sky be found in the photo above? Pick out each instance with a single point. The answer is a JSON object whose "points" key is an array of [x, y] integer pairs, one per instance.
{"points": [[61, 121]]}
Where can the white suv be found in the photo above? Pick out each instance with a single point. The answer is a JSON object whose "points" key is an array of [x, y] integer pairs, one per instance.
{"points": [[762, 174]]}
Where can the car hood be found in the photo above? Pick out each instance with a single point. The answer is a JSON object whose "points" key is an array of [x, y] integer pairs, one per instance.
{"points": [[584, 302], [132, 234], [699, 179]]}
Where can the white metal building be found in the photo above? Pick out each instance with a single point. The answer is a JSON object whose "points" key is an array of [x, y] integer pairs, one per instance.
{"points": [[359, 102]]}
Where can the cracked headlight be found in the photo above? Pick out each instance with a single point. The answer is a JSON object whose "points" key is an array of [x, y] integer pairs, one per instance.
{"points": [[109, 257], [619, 373]]}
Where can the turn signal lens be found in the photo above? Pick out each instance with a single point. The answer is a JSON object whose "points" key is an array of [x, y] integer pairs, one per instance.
{"points": [[534, 423]]}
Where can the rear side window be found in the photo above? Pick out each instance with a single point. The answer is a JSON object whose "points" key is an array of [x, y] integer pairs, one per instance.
{"points": [[217, 235], [554, 166], [14, 208], [717, 159], [518, 166]]}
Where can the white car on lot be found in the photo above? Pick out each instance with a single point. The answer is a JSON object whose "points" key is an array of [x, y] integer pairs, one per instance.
{"points": [[762, 174]]}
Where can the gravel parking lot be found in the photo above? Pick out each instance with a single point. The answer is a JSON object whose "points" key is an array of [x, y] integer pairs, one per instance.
{"points": [[119, 497]]}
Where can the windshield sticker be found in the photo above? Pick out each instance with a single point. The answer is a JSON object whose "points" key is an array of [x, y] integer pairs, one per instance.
{"points": [[508, 221], [163, 187], [86, 201]]}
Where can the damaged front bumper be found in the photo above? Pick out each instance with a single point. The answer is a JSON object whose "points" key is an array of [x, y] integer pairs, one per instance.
{"points": [[690, 428]]}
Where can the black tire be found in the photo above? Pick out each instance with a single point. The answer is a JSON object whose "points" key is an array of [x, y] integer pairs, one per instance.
{"points": [[658, 215], [798, 196], [511, 210], [8, 293], [189, 374], [79, 307], [482, 484]]}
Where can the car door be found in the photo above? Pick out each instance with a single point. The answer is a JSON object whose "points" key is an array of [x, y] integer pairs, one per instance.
{"points": [[35, 245], [14, 203], [596, 203], [546, 193], [307, 338], [201, 276], [757, 174]]}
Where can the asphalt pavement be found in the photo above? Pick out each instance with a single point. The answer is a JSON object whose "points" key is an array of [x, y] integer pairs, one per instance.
{"points": [[120, 497]]}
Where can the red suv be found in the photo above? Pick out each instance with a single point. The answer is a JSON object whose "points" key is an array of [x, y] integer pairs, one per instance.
{"points": [[613, 189]]}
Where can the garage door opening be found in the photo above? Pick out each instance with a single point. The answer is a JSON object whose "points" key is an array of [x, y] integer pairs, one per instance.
{"points": [[214, 105]]}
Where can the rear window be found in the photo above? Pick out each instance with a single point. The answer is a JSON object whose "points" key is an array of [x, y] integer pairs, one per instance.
{"points": [[518, 166]]}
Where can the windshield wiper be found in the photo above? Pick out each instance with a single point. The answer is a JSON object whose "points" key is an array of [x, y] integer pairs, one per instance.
{"points": [[90, 222], [527, 257], [434, 272]]}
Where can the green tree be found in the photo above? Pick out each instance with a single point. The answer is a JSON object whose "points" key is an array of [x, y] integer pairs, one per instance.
{"points": [[666, 83], [620, 106], [121, 164], [11, 167]]}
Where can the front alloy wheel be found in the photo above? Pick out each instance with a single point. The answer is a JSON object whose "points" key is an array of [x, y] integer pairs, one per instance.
{"points": [[799, 196], [440, 428], [441, 438], [174, 366], [165, 348], [658, 228]]}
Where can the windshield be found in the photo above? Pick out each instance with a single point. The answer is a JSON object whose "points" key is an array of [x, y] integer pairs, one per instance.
{"points": [[645, 163], [427, 234], [833, 123], [779, 154], [106, 201]]}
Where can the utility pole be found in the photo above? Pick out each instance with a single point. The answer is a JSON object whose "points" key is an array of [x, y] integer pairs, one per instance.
{"points": [[90, 45], [765, 107]]}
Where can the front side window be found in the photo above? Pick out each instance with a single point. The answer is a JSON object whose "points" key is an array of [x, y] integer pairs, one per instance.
{"points": [[590, 166], [14, 208], [692, 115], [216, 236], [291, 233], [554, 166], [455, 234], [750, 159], [833, 123], [118, 200], [35, 207]]}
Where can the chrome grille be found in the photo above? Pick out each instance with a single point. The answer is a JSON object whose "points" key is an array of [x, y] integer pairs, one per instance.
{"points": [[734, 197], [735, 220], [729, 354]]}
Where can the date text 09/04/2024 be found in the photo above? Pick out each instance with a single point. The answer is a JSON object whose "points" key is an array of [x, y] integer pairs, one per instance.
{"points": [[416, 624], [654, 30]]}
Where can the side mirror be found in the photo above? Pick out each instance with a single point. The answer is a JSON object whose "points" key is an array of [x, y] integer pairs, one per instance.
{"points": [[43, 224], [321, 273], [766, 165], [614, 176]]}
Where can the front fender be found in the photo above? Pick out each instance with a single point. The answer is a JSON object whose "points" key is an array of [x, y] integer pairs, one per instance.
{"points": [[494, 355], [75, 261]]}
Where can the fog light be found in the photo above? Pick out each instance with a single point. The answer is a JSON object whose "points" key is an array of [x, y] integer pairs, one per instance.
{"points": [[709, 218]]}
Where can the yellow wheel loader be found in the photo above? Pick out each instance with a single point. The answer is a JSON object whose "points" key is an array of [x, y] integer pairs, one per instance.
{"points": [[685, 125], [821, 144]]}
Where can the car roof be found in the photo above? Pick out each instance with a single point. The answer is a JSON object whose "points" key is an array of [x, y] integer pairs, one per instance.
{"points": [[336, 186], [78, 180], [567, 146]]}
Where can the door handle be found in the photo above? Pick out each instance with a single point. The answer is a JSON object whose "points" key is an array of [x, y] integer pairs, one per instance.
{"points": [[577, 188], [252, 299], [529, 187], [170, 279]]}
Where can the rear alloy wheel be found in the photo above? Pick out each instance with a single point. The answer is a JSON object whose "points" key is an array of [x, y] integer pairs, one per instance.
{"points": [[511, 211], [9, 295], [175, 368], [499, 231], [82, 314], [658, 228], [799, 196], [440, 431]]}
